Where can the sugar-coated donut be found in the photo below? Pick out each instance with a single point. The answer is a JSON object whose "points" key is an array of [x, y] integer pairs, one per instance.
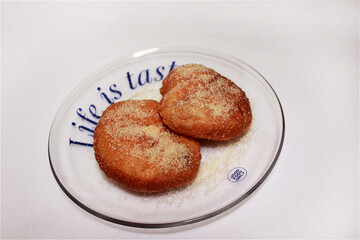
{"points": [[199, 102], [134, 148]]}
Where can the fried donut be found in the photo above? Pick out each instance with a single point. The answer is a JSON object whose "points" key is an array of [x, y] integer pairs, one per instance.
{"points": [[198, 102], [134, 148]]}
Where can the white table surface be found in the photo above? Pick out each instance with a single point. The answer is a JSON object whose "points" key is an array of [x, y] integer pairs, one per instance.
{"points": [[308, 51]]}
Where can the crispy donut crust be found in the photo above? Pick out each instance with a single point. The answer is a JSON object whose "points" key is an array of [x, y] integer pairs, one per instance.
{"points": [[198, 102], [134, 148]]}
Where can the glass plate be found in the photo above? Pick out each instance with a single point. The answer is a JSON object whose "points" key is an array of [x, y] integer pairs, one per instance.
{"points": [[229, 171]]}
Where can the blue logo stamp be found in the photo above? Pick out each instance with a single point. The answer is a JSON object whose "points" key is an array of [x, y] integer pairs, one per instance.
{"points": [[237, 174]]}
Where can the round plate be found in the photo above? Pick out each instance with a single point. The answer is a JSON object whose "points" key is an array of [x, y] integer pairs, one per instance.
{"points": [[229, 171]]}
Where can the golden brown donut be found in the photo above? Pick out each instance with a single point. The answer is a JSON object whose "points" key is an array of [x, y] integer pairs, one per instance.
{"points": [[198, 102], [134, 148]]}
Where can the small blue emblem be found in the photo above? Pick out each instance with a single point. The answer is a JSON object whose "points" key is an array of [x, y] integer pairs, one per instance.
{"points": [[237, 174]]}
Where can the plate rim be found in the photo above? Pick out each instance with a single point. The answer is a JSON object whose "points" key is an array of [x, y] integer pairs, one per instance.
{"points": [[148, 52]]}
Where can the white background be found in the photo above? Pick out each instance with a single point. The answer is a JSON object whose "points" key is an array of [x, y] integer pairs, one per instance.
{"points": [[307, 50]]}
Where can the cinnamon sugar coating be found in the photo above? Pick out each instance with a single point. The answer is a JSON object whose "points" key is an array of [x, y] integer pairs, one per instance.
{"points": [[199, 102], [134, 148]]}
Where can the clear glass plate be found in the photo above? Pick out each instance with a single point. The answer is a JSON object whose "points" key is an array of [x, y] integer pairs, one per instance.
{"points": [[229, 171]]}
